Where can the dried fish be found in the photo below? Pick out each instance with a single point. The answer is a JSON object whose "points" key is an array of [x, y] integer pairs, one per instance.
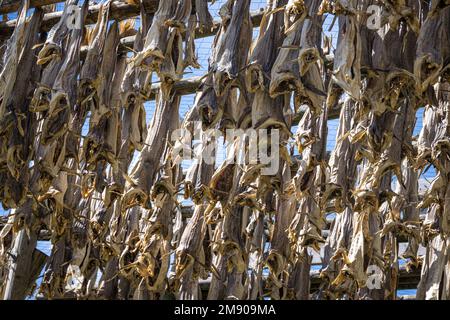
{"points": [[130, 215], [137, 188]]}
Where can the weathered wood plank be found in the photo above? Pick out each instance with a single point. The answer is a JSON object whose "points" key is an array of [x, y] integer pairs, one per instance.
{"points": [[407, 280], [126, 43], [8, 6], [21, 270], [191, 85], [182, 87], [119, 11]]}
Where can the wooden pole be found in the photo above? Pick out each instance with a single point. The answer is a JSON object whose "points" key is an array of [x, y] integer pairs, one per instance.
{"points": [[25, 264]]}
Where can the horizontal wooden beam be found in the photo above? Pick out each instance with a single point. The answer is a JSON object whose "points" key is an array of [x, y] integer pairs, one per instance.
{"points": [[406, 280], [45, 235], [186, 212], [119, 11], [182, 87], [9, 6], [191, 85], [127, 43]]}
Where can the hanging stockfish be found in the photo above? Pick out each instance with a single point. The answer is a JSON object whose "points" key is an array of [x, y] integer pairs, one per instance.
{"points": [[190, 261], [138, 196], [267, 113], [12, 192], [304, 230], [433, 50], [163, 46], [204, 18], [89, 75], [12, 54], [340, 184], [67, 90], [97, 252], [132, 136], [226, 63], [50, 57], [285, 73], [55, 101], [347, 57], [228, 248], [138, 186], [80, 168], [20, 123], [434, 134], [64, 189], [153, 259], [94, 74], [133, 88], [18, 276], [388, 81], [53, 45], [99, 145]]}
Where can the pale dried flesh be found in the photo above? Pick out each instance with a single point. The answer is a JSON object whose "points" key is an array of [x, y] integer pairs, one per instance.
{"points": [[133, 207]]}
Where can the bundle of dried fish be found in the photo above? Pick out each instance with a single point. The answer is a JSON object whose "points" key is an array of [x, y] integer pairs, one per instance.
{"points": [[13, 52], [132, 88], [254, 219], [265, 48], [97, 146], [156, 42], [229, 258], [342, 163], [204, 18], [280, 254], [402, 10], [433, 51], [50, 56], [89, 74], [153, 258], [59, 92], [190, 254], [163, 47], [285, 73], [20, 132], [227, 60], [53, 46], [138, 186], [230, 48], [53, 280], [347, 57], [305, 228]]}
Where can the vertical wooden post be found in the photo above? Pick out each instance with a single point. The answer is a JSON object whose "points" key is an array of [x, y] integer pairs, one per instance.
{"points": [[20, 263]]}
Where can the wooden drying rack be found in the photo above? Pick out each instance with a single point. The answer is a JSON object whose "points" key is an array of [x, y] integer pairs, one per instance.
{"points": [[122, 11]]}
